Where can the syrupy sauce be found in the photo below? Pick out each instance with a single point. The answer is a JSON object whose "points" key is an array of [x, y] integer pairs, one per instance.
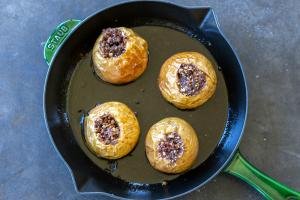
{"points": [[190, 79], [85, 90], [113, 43]]}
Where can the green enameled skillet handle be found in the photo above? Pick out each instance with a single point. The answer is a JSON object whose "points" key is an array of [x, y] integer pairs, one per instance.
{"points": [[57, 38], [267, 186]]}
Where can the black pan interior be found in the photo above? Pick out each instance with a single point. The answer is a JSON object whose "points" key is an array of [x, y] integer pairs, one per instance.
{"points": [[143, 96], [72, 89]]}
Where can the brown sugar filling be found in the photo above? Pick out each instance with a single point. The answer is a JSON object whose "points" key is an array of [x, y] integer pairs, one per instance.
{"points": [[190, 79], [171, 147], [107, 129], [113, 43]]}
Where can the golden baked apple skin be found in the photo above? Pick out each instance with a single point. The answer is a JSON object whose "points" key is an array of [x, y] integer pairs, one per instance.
{"points": [[171, 145], [111, 130], [119, 55], [187, 80]]}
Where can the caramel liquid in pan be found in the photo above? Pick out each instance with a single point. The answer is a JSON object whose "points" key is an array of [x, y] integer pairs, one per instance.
{"points": [[143, 96]]}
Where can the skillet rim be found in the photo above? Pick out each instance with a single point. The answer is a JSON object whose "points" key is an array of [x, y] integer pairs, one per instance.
{"points": [[233, 152]]}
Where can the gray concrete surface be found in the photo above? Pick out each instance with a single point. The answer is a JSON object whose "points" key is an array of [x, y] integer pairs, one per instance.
{"points": [[266, 35]]}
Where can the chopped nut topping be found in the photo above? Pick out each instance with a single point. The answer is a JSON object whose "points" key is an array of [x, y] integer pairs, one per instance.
{"points": [[171, 147], [113, 43], [107, 129], [190, 79]]}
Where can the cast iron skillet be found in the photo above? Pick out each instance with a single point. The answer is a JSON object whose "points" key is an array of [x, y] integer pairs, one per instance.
{"points": [[71, 89]]}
